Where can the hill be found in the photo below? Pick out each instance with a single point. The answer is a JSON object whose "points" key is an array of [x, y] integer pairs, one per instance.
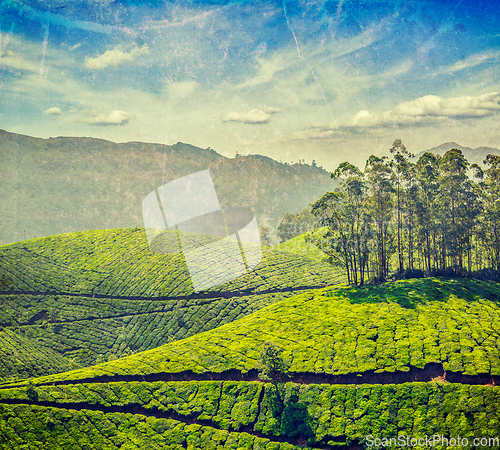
{"points": [[408, 358], [299, 244], [96, 295], [473, 155], [338, 331], [65, 184]]}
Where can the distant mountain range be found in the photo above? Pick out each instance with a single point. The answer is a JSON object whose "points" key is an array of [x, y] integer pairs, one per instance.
{"points": [[64, 184], [473, 155]]}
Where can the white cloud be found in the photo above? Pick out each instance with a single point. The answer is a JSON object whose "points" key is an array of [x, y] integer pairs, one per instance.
{"points": [[253, 117], [430, 109], [116, 117], [114, 57], [268, 68], [432, 106], [471, 61], [427, 110], [53, 111], [16, 61]]}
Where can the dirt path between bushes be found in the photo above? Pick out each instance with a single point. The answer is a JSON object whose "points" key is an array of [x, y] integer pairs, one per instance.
{"points": [[431, 372]]}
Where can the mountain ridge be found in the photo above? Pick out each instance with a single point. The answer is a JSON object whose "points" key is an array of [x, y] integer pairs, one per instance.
{"points": [[66, 184], [473, 155]]}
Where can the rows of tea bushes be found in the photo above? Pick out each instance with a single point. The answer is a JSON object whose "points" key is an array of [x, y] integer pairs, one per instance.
{"points": [[28, 309], [21, 358], [324, 332], [23, 270], [322, 414], [89, 331], [119, 263], [95, 296], [18, 310], [40, 428]]}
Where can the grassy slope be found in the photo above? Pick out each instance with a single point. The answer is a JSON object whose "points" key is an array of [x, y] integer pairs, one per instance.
{"points": [[322, 414], [333, 330], [119, 263], [44, 428], [21, 357], [299, 245], [344, 330], [97, 295]]}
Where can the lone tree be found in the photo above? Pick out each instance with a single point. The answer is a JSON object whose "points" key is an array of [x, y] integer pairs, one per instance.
{"points": [[273, 366]]}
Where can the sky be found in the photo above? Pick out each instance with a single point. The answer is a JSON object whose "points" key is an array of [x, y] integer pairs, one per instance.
{"points": [[319, 80]]}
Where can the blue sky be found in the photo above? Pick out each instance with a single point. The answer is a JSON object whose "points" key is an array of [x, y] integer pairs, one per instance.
{"points": [[323, 80]]}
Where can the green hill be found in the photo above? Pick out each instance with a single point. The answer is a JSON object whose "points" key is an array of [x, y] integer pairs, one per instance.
{"points": [[354, 355], [21, 357], [67, 184], [388, 328], [299, 244], [97, 295]]}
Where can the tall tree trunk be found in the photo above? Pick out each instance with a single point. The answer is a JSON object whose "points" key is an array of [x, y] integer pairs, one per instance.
{"points": [[401, 267], [428, 241]]}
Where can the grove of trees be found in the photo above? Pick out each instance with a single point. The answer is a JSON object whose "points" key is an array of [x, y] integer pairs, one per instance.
{"points": [[292, 225], [439, 214]]}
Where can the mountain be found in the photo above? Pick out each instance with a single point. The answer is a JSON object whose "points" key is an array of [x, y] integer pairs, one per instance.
{"points": [[473, 155], [66, 184], [408, 358]]}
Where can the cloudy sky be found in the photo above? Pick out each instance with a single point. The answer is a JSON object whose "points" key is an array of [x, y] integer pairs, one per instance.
{"points": [[324, 80]]}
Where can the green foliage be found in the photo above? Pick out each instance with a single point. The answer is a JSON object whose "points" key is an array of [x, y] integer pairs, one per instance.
{"points": [[385, 328], [316, 413], [43, 428], [84, 298], [32, 393], [119, 263], [304, 243], [424, 217], [22, 357], [343, 330], [272, 364], [292, 225]]}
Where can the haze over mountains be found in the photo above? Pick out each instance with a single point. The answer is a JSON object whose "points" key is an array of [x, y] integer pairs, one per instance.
{"points": [[66, 184], [473, 155]]}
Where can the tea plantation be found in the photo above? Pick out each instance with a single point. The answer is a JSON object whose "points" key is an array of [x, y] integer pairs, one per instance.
{"points": [[408, 358], [93, 296], [392, 330], [338, 331], [242, 415]]}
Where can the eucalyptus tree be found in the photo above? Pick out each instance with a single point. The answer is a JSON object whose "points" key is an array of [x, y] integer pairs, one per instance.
{"points": [[453, 182], [343, 212], [410, 197], [292, 225], [427, 173], [476, 237], [491, 211], [378, 175], [287, 228], [400, 164]]}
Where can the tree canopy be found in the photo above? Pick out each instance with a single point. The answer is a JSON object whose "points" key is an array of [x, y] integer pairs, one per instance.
{"points": [[438, 214]]}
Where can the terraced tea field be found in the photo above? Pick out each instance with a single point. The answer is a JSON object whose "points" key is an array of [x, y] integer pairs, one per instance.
{"points": [[94, 296], [127, 356], [204, 414], [409, 358]]}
